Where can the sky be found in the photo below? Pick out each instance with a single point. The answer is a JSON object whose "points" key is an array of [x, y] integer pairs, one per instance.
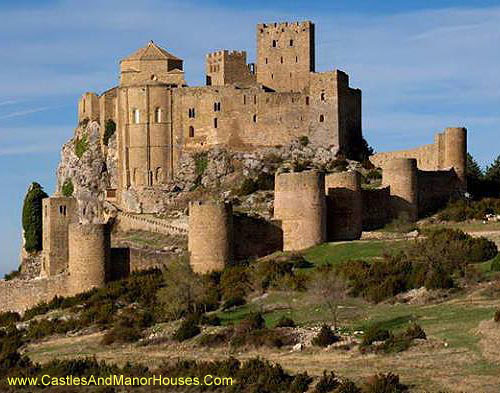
{"points": [[422, 66]]}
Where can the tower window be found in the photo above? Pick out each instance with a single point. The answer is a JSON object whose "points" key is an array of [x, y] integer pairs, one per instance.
{"points": [[255, 99], [255, 118], [157, 115], [274, 43], [322, 96], [307, 100], [266, 60], [272, 76], [215, 122], [296, 59], [281, 59], [136, 116], [191, 113], [321, 118], [191, 132], [216, 106], [291, 42], [244, 99]]}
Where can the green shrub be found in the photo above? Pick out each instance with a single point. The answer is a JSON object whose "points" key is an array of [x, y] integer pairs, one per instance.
{"points": [[415, 331], [396, 343], [247, 187], [261, 337], [374, 333], [285, 322], [9, 318], [401, 224], [81, 146], [233, 302], [347, 386], [265, 181], [235, 282], [216, 339], [109, 131], [300, 383], [304, 140], [210, 320], [327, 383], [68, 188], [374, 174], [200, 163], [32, 218], [495, 264], [12, 275], [325, 337], [496, 318], [384, 383], [253, 321], [189, 328], [461, 209]]}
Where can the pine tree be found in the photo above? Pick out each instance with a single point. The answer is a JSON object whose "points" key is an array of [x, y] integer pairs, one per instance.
{"points": [[32, 217], [474, 171], [493, 171]]}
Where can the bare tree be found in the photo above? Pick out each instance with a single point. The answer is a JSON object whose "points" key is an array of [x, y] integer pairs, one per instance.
{"points": [[328, 288]]}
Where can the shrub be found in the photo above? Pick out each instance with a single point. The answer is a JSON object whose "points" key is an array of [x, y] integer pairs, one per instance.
{"points": [[495, 264], [347, 386], [215, 339], [8, 318], [188, 329], [109, 131], [374, 333], [325, 337], [300, 383], [200, 163], [415, 331], [253, 321], [233, 302], [265, 181], [396, 343], [304, 140], [32, 218], [401, 224], [327, 383], [67, 188], [210, 320], [81, 146], [496, 318], [374, 174], [12, 275], [384, 383], [285, 322], [259, 338], [235, 282], [247, 187]]}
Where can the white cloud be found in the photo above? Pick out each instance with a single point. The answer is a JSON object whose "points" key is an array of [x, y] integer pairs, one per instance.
{"points": [[25, 112]]}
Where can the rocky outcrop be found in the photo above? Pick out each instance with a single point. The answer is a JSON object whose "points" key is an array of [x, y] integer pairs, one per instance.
{"points": [[88, 169]]}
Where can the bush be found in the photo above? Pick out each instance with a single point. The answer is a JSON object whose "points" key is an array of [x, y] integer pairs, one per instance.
{"points": [[327, 383], [32, 218], [265, 181], [109, 131], [495, 264], [285, 322], [188, 329], [235, 282], [210, 320], [8, 318], [256, 338], [374, 333], [347, 386], [81, 146], [496, 318], [233, 302], [300, 383], [67, 188], [200, 163], [384, 383], [304, 140], [215, 339], [415, 331], [253, 321], [461, 209], [12, 275], [325, 337], [247, 187]]}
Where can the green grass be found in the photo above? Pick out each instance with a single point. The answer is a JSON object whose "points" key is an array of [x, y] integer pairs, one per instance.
{"points": [[336, 253], [468, 226]]}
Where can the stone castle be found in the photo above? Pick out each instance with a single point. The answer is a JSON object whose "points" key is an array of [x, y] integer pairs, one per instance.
{"points": [[243, 107]]}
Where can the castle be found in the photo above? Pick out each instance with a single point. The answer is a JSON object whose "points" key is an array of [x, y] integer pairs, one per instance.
{"points": [[244, 107]]}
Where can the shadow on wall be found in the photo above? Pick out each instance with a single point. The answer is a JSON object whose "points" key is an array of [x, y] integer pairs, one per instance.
{"points": [[255, 237]]}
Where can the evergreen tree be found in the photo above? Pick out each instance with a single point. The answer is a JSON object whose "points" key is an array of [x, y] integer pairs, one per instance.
{"points": [[32, 217], [493, 171], [474, 171]]}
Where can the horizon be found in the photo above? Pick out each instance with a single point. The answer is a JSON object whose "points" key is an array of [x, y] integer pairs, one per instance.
{"points": [[420, 69]]}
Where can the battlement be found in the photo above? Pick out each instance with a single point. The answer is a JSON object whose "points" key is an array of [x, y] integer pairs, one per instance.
{"points": [[226, 53], [261, 27]]}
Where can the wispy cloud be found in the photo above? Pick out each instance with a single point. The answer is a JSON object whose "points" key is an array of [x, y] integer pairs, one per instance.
{"points": [[25, 112], [10, 102]]}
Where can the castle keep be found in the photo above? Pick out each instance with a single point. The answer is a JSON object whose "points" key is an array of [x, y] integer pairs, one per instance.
{"points": [[243, 108]]}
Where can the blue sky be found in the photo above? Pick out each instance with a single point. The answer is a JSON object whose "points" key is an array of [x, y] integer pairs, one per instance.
{"points": [[422, 66]]}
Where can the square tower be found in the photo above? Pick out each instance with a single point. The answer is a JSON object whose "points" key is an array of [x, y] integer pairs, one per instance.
{"points": [[228, 67], [285, 55], [58, 213]]}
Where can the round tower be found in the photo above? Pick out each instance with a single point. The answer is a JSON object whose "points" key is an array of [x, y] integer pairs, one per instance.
{"points": [[344, 206], [401, 175], [89, 253], [210, 242], [299, 202], [456, 151]]}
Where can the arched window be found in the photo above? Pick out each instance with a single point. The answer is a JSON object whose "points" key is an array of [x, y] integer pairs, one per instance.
{"points": [[137, 116], [281, 60], [255, 99], [266, 60], [255, 118], [322, 96], [321, 118], [291, 42], [191, 132], [215, 122], [274, 43], [157, 115], [272, 76], [159, 175], [307, 100]]}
